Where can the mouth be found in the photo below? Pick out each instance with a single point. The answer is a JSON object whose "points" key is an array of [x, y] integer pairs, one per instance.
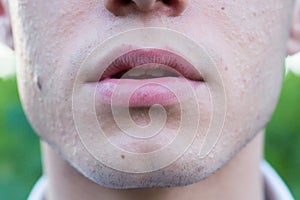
{"points": [[150, 63], [144, 77]]}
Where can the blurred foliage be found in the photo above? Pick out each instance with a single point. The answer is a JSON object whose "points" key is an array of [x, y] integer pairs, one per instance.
{"points": [[282, 148], [20, 164]]}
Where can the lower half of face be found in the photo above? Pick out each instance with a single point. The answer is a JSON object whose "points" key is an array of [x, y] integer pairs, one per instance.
{"points": [[159, 124]]}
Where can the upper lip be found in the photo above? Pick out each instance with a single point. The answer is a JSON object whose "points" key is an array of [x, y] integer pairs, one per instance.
{"points": [[138, 57]]}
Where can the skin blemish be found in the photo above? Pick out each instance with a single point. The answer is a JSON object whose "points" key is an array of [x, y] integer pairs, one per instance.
{"points": [[38, 83], [122, 156], [223, 8]]}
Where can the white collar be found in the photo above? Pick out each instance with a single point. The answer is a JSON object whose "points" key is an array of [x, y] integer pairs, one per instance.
{"points": [[275, 188]]}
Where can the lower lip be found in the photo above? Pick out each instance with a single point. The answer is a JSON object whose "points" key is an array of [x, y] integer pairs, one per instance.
{"points": [[143, 93]]}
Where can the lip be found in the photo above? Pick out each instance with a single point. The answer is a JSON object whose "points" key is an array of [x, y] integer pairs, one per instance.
{"points": [[139, 57], [146, 92]]}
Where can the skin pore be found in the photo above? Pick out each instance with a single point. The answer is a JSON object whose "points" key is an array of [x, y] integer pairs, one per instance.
{"points": [[247, 41]]}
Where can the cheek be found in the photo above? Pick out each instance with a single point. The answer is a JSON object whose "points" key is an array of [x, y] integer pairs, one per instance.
{"points": [[252, 85], [254, 58], [249, 54]]}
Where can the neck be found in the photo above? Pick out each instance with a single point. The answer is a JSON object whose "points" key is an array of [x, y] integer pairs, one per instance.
{"points": [[238, 179]]}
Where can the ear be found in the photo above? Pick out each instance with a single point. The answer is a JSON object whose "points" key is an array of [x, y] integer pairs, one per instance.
{"points": [[5, 26], [293, 45]]}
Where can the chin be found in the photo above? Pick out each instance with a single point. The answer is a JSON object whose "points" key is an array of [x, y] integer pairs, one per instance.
{"points": [[185, 171]]}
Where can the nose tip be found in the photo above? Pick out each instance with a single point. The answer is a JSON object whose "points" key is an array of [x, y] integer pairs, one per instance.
{"points": [[145, 5], [125, 7]]}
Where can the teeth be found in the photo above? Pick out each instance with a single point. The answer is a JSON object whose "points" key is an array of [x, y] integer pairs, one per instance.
{"points": [[156, 73], [134, 73], [140, 73]]}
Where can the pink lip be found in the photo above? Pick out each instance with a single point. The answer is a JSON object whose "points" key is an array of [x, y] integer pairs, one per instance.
{"points": [[147, 92], [139, 57]]}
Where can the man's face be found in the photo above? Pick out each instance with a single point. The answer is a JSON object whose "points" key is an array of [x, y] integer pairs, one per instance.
{"points": [[242, 43]]}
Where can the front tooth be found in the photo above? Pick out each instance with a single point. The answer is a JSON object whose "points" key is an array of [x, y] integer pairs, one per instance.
{"points": [[134, 73], [155, 72]]}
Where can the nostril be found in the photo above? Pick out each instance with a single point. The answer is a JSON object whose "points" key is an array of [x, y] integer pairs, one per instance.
{"points": [[120, 3], [123, 7], [125, 2], [177, 6], [167, 1]]}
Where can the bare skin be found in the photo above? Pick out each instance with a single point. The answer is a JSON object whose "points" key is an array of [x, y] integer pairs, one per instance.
{"points": [[238, 179]]}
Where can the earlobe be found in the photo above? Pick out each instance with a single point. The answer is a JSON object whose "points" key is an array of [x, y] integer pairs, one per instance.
{"points": [[5, 26], [1, 9], [293, 45]]}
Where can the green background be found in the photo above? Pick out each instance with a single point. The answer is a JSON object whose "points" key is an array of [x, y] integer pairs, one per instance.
{"points": [[20, 163]]}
